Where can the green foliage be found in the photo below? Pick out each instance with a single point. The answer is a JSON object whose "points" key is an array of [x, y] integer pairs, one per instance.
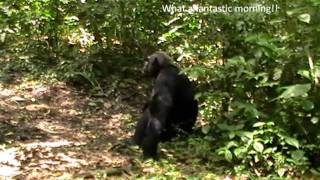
{"points": [[263, 74], [257, 73], [266, 148]]}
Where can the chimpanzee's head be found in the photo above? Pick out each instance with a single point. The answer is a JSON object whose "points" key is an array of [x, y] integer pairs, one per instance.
{"points": [[155, 62]]}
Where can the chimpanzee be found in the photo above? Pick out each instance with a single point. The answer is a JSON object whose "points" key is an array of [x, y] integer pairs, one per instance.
{"points": [[171, 109]]}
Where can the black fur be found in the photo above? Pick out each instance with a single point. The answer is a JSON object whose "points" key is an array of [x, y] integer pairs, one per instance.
{"points": [[172, 108]]}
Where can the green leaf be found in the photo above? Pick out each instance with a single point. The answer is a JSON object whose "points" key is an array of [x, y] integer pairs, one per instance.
{"points": [[292, 141], [270, 123], [232, 144], [239, 152], [258, 124], [228, 155], [245, 134], [297, 155], [304, 73], [314, 120], [2, 37], [224, 126], [256, 158], [295, 91], [258, 146], [198, 95], [268, 151], [281, 171], [205, 129], [304, 17], [307, 105], [93, 104], [231, 135]]}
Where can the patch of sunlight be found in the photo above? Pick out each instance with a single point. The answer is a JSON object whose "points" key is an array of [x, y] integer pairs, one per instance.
{"points": [[6, 93], [61, 162], [51, 127], [70, 112], [117, 116], [9, 171], [37, 107], [39, 89], [9, 165], [7, 106], [72, 162], [49, 144]]}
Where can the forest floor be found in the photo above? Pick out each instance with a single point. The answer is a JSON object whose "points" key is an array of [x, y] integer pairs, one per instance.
{"points": [[55, 131]]}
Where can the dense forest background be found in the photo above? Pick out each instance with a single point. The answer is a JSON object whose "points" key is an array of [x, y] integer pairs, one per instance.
{"points": [[71, 88]]}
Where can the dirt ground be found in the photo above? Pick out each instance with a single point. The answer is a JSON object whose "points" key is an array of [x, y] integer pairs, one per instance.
{"points": [[50, 131]]}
